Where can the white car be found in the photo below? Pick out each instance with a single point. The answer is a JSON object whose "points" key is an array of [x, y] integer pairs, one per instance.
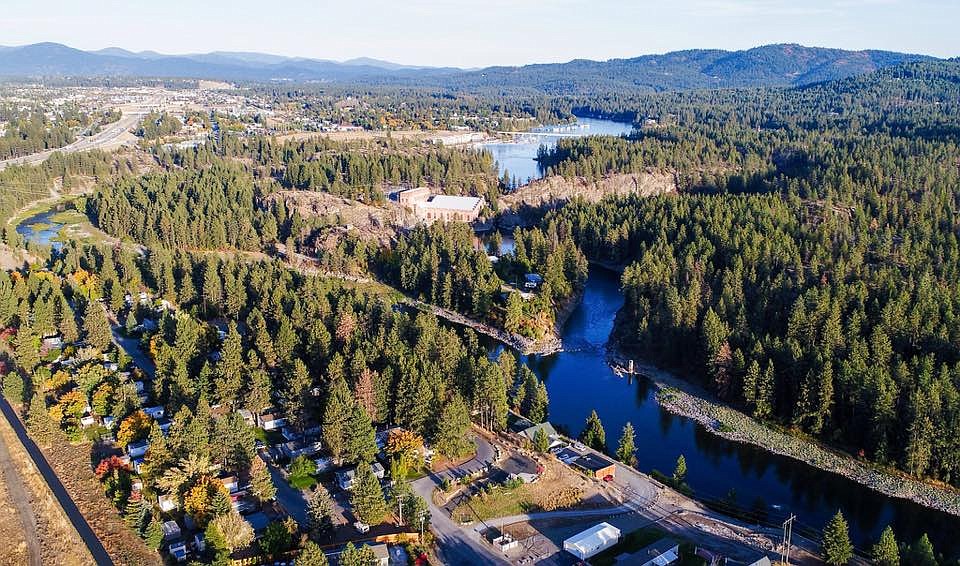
{"points": [[361, 527]]}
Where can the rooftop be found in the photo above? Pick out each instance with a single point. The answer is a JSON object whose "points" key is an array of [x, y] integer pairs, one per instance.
{"points": [[448, 202], [598, 533], [593, 462]]}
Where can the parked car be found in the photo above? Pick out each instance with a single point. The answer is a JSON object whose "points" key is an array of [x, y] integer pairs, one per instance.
{"points": [[361, 527]]}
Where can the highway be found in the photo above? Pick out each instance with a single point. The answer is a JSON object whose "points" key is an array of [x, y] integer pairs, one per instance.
{"points": [[110, 134]]}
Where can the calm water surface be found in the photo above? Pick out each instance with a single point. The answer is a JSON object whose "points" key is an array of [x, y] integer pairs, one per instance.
{"points": [[579, 380], [518, 157], [39, 229]]}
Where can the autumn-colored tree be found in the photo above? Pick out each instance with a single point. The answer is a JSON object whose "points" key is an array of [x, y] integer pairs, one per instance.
{"points": [[199, 498], [404, 447], [134, 427]]}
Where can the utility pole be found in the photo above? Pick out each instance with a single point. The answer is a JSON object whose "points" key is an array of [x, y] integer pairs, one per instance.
{"points": [[400, 502], [787, 535]]}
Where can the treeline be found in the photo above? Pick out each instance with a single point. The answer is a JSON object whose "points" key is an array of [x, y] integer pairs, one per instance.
{"points": [[22, 185], [156, 125], [823, 295], [34, 133]]}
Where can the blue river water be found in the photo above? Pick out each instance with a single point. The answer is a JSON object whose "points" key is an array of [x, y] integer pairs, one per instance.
{"points": [[518, 157], [579, 380], [770, 486]]}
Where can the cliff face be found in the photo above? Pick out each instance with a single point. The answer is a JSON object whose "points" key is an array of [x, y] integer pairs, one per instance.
{"points": [[551, 192]]}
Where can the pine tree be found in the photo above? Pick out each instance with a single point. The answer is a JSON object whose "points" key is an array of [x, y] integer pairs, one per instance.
{"points": [[452, 428], [626, 450], [921, 553], [68, 322], [311, 555], [361, 439], [319, 514], [261, 484], [763, 407], [593, 434], [296, 393], [837, 548], [367, 497], [680, 471], [230, 368], [96, 328], [336, 416], [27, 349], [357, 555], [42, 427], [541, 443], [135, 513], [130, 324], [886, 552], [14, 387], [153, 535]]}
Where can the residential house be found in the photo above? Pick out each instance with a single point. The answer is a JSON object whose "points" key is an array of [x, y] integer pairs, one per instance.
{"points": [[138, 449], [324, 464], [154, 412], [347, 478], [270, 421], [167, 503], [231, 483], [382, 554], [661, 553], [178, 551], [300, 447], [596, 466], [171, 531]]}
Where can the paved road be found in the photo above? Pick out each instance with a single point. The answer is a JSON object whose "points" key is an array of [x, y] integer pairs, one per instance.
{"points": [[289, 497], [456, 545], [79, 522], [20, 499], [109, 135]]}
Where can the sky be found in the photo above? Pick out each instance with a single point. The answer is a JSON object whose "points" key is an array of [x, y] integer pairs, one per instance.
{"points": [[483, 32]]}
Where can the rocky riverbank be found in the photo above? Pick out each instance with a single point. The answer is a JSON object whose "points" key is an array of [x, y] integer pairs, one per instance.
{"points": [[685, 399]]}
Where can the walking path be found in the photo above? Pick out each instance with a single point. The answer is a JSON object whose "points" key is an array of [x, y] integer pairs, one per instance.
{"points": [[86, 533], [21, 501]]}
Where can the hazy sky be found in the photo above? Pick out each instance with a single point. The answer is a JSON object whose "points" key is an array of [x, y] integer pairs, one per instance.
{"points": [[484, 32]]}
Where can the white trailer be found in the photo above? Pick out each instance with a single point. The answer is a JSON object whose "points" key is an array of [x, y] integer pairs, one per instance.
{"points": [[593, 540]]}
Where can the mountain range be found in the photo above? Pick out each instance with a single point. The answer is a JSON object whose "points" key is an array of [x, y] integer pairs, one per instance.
{"points": [[770, 65]]}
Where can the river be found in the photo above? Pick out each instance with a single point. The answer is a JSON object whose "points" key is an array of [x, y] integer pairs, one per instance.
{"points": [[518, 157], [579, 380]]}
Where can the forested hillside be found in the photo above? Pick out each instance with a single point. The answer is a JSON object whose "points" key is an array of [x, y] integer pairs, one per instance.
{"points": [[811, 264]]}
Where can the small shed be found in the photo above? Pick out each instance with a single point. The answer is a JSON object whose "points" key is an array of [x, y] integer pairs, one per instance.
{"points": [[596, 466]]}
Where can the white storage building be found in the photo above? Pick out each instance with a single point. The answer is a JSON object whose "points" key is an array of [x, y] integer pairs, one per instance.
{"points": [[593, 540]]}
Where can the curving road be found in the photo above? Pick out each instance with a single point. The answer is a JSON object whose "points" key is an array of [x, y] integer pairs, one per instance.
{"points": [[79, 522], [456, 545], [109, 135]]}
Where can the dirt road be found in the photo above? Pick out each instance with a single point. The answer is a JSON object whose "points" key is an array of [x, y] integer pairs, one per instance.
{"points": [[20, 500], [79, 522]]}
